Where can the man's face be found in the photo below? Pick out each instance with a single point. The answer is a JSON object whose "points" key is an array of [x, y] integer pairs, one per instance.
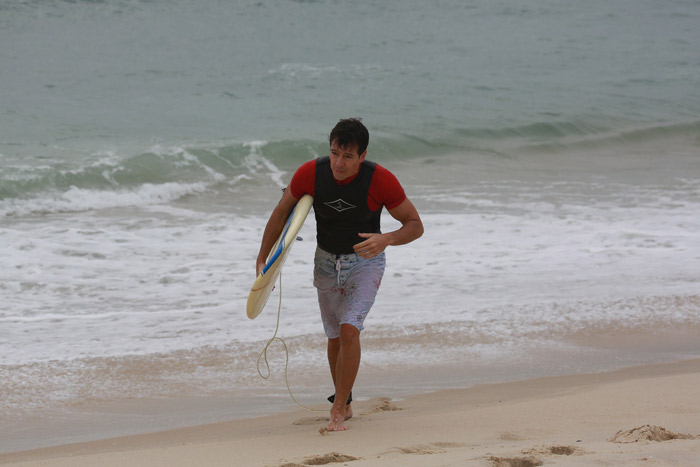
{"points": [[345, 161]]}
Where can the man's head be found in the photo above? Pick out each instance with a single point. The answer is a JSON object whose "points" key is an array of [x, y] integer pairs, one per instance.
{"points": [[349, 140], [350, 132]]}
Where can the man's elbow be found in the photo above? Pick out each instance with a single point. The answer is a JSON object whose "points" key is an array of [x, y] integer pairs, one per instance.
{"points": [[419, 230]]}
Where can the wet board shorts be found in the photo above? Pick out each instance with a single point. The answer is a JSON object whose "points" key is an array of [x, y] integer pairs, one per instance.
{"points": [[347, 286]]}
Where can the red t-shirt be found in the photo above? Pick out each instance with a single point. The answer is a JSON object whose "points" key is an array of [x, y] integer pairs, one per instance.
{"points": [[384, 190]]}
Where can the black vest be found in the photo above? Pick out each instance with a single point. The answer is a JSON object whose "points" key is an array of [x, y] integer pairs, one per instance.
{"points": [[341, 210]]}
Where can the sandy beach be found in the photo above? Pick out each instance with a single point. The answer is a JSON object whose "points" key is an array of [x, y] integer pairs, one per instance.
{"points": [[647, 415], [549, 314]]}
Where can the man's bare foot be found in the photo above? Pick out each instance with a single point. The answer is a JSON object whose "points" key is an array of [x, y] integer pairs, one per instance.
{"points": [[337, 420]]}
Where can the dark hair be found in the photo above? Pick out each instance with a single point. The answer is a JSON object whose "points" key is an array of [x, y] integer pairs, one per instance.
{"points": [[350, 132]]}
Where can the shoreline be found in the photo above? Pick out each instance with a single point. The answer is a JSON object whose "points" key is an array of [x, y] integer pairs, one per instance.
{"points": [[542, 419], [160, 393]]}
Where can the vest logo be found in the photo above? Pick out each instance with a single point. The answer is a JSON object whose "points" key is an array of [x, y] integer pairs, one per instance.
{"points": [[339, 205]]}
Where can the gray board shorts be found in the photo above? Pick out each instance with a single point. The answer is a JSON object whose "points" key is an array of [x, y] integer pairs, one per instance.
{"points": [[347, 286]]}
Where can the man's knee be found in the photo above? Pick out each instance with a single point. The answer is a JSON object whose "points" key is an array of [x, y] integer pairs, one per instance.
{"points": [[348, 333], [334, 344]]}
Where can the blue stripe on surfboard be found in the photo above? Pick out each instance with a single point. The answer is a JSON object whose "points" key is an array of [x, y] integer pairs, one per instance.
{"points": [[280, 247]]}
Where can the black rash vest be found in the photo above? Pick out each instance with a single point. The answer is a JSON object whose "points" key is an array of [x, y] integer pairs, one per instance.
{"points": [[341, 210]]}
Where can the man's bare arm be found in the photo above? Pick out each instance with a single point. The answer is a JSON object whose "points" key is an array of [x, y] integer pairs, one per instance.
{"points": [[411, 229], [274, 227]]}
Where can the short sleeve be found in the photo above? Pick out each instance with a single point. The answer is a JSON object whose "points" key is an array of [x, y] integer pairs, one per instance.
{"points": [[385, 190], [304, 180]]}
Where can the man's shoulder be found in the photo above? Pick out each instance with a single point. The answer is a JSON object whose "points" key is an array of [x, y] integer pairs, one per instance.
{"points": [[383, 174], [386, 189], [308, 167], [303, 180]]}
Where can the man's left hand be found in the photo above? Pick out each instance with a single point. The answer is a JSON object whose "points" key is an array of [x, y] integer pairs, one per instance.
{"points": [[375, 244]]}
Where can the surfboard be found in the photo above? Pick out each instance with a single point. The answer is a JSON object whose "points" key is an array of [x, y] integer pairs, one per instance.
{"points": [[265, 282]]}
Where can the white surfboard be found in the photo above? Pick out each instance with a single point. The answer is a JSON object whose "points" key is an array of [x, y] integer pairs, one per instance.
{"points": [[265, 282]]}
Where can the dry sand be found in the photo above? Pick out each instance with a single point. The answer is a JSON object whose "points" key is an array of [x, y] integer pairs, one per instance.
{"points": [[646, 416]]}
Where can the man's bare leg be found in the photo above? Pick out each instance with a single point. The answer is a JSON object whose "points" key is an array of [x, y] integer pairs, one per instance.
{"points": [[344, 360], [333, 349]]}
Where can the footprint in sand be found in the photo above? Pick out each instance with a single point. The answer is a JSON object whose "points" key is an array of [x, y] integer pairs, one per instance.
{"points": [[556, 451], [433, 448], [330, 458], [383, 404], [563, 450], [310, 421], [508, 436], [420, 449], [531, 456], [448, 444], [515, 461]]}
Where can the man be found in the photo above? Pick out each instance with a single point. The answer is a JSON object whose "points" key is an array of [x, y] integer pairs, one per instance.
{"points": [[349, 194]]}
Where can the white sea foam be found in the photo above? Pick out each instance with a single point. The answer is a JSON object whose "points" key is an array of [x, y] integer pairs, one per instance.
{"points": [[163, 277], [80, 199]]}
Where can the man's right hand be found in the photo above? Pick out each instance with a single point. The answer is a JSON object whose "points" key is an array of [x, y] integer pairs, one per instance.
{"points": [[259, 268]]}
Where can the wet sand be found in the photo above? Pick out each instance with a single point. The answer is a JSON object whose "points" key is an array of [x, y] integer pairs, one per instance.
{"points": [[644, 415]]}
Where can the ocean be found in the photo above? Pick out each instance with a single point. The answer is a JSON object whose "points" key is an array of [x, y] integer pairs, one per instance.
{"points": [[552, 149]]}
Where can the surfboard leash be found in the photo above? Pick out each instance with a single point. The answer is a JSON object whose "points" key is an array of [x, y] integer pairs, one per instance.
{"points": [[263, 354]]}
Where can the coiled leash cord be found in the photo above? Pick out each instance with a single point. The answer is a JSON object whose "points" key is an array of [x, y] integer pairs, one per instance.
{"points": [[263, 355]]}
